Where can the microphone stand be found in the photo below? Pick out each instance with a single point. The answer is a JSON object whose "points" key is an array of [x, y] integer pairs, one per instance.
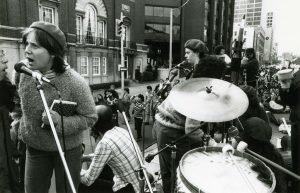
{"points": [[142, 168], [61, 153]]}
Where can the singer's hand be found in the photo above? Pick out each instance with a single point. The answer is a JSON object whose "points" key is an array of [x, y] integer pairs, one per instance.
{"points": [[54, 115], [38, 76]]}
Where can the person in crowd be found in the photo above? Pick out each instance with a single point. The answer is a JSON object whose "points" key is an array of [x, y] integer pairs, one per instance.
{"points": [[235, 67], [115, 149], [112, 101], [138, 114], [220, 53], [45, 46], [159, 85], [250, 65], [126, 101], [257, 134], [255, 109], [149, 104], [137, 73], [289, 94], [112, 88], [9, 175], [170, 124], [99, 99], [286, 151]]}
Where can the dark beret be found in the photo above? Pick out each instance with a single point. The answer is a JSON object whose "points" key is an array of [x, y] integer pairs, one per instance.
{"points": [[53, 31], [257, 129], [196, 46]]}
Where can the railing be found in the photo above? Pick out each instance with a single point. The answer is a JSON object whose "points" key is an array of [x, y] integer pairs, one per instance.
{"points": [[117, 44], [91, 40]]}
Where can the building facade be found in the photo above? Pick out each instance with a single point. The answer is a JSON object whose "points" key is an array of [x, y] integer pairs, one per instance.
{"points": [[252, 9], [253, 37], [210, 21], [258, 14], [90, 29]]}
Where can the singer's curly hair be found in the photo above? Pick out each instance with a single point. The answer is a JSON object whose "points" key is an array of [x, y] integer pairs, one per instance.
{"points": [[47, 42], [210, 67]]}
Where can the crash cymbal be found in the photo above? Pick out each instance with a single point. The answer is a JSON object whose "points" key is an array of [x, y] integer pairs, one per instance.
{"points": [[209, 100]]}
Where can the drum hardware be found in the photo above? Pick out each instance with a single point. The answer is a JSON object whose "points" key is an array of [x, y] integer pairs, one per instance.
{"points": [[150, 157], [142, 173], [229, 150], [199, 168], [209, 100], [242, 147], [245, 76]]}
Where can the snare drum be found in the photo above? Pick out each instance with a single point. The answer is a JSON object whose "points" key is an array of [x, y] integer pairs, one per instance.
{"points": [[207, 169]]}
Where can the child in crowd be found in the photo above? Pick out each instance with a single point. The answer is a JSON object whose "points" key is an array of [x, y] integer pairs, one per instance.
{"points": [[138, 114]]}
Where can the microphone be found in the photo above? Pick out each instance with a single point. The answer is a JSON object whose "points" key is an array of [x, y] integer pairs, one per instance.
{"points": [[149, 158], [174, 74], [22, 68], [180, 65]]}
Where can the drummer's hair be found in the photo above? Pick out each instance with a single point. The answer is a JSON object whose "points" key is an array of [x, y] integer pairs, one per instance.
{"points": [[210, 67]]}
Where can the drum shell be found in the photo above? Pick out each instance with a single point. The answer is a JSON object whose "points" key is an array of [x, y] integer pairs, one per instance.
{"points": [[187, 187]]}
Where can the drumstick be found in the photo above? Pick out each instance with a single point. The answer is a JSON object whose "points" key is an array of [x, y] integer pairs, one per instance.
{"points": [[286, 126], [229, 149]]}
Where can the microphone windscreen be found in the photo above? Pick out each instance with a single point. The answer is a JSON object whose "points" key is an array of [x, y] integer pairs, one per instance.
{"points": [[18, 66]]}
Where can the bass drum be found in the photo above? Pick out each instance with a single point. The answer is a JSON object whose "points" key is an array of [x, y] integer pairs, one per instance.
{"points": [[207, 169]]}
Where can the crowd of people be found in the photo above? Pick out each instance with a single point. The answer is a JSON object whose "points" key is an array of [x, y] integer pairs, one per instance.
{"points": [[45, 46]]}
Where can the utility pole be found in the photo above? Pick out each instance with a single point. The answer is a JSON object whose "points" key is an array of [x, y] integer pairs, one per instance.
{"points": [[171, 39], [121, 31]]}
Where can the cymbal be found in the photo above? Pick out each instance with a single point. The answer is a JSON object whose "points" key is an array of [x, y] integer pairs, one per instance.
{"points": [[209, 100]]}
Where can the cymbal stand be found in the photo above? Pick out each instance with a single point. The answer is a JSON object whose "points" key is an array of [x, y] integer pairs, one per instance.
{"points": [[142, 170], [207, 135]]}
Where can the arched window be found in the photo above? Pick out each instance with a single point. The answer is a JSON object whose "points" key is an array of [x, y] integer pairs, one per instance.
{"points": [[91, 21], [90, 24]]}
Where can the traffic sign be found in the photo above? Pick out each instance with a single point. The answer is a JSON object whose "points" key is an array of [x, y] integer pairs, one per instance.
{"points": [[123, 69]]}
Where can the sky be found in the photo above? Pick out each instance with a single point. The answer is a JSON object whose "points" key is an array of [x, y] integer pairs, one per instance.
{"points": [[286, 25]]}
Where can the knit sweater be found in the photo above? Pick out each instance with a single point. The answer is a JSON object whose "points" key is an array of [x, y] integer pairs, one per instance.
{"points": [[73, 88], [169, 117]]}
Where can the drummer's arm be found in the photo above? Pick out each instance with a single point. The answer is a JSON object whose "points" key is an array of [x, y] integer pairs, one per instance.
{"points": [[195, 137]]}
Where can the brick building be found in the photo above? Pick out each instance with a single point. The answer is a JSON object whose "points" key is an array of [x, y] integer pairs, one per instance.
{"points": [[90, 30], [93, 42]]}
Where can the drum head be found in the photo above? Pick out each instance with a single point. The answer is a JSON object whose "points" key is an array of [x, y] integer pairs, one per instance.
{"points": [[207, 169]]}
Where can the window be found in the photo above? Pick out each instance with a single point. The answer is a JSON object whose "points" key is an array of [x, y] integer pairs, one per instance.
{"points": [[47, 14], [167, 12], [101, 32], [84, 66], [96, 66], [149, 11], [104, 64], [79, 28], [158, 12], [90, 24]]}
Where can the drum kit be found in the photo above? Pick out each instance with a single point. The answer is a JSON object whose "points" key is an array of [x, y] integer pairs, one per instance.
{"points": [[207, 169]]}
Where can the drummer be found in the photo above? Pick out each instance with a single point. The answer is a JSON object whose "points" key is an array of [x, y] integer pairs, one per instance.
{"points": [[170, 124]]}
